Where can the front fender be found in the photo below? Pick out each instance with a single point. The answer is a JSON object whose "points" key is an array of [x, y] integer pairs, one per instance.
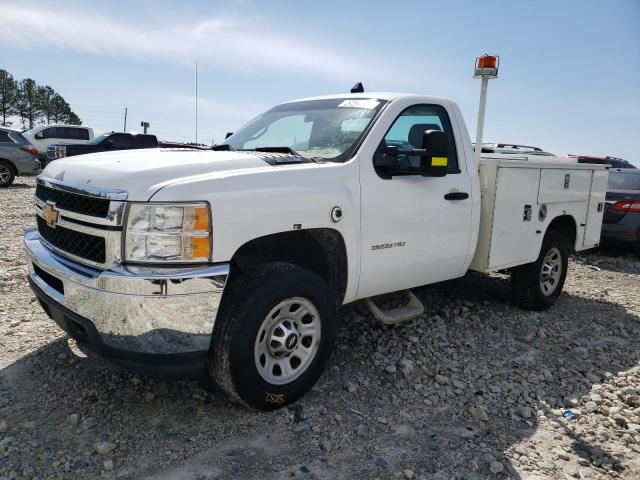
{"points": [[249, 205]]}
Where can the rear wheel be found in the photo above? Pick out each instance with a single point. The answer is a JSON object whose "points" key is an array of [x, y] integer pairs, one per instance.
{"points": [[7, 173], [538, 285], [273, 335]]}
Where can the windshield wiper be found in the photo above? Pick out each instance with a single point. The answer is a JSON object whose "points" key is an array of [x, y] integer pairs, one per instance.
{"points": [[288, 150]]}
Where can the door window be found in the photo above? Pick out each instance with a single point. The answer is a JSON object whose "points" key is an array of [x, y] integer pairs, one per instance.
{"points": [[145, 141], [50, 132], [4, 137], [407, 131], [74, 133]]}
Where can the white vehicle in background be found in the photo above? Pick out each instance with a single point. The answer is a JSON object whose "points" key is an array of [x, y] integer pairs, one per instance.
{"points": [[43, 136]]}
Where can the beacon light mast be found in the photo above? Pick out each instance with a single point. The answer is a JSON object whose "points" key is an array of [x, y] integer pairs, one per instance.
{"points": [[486, 69]]}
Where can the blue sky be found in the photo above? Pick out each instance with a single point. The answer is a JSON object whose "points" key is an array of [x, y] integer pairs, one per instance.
{"points": [[569, 78]]}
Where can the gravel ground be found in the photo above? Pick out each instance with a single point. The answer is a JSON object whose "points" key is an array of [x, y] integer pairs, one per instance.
{"points": [[474, 389]]}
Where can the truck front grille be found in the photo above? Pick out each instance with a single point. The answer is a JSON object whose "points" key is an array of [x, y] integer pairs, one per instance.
{"points": [[94, 207], [80, 244]]}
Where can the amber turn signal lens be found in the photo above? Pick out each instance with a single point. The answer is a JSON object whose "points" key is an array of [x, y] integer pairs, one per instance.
{"points": [[199, 247], [201, 218]]}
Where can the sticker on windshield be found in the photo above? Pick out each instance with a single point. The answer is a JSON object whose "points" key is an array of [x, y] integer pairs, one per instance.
{"points": [[368, 103]]}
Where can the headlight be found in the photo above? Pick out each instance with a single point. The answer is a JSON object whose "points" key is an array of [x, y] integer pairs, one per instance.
{"points": [[161, 232], [61, 151]]}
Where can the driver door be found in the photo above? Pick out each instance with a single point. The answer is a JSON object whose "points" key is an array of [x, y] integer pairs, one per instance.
{"points": [[412, 234]]}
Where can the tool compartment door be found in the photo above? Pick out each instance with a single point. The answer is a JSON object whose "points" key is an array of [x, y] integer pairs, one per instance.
{"points": [[595, 210], [559, 185], [514, 238]]}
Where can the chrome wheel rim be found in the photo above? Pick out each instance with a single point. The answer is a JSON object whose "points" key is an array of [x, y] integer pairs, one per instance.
{"points": [[287, 341], [551, 271], [5, 174]]}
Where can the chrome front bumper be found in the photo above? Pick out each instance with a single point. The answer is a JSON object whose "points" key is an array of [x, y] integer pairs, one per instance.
{"points": [[142, 310]]}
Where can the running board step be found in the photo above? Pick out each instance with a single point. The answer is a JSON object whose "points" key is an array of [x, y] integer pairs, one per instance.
{"points": [[412, 309]]}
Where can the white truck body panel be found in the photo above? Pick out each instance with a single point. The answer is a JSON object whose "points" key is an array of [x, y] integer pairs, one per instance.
{"points": [[508, 236]]}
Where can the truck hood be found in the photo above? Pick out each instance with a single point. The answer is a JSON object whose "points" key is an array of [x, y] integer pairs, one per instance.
{"points": [[143, 172]]}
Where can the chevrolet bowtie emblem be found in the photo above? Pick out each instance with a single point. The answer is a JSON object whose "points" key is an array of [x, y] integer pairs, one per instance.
{"points": [[50, 214]]}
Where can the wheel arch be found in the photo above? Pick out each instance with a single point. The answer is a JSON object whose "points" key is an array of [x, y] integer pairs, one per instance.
{"points": [[566, 226], [321, 250]]}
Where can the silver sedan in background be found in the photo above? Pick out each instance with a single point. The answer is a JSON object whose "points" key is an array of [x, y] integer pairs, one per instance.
{"points": [[17, 156]]}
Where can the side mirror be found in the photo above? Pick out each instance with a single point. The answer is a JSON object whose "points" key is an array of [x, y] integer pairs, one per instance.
{"points": [[385, 161], [39, 135], [108, 144], [435, 158]]}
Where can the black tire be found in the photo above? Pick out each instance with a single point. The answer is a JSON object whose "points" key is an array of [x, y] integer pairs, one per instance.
{"points": [[247, 301], [7, 173], [527, 288]]}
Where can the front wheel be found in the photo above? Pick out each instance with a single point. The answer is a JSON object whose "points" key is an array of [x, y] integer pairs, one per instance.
{"points": [[273, 335], [538, 285]]}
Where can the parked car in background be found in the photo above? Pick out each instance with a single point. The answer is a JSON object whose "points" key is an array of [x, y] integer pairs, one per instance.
{"points": [[621, 221], [17, 156], [620, 163], [613, 162], [43, 136], [114, 141], [102, 143]]}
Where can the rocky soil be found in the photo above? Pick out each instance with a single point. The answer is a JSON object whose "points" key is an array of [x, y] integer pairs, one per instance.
{"points": [[474, 389]]}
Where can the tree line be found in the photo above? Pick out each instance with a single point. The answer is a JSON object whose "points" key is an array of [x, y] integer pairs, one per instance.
{"points": [[34, 104]]}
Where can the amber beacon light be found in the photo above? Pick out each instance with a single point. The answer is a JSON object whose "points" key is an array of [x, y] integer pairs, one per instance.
{"points": [[487, 65], [486, 69]]}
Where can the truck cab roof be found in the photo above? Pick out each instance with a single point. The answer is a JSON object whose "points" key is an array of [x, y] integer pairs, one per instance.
{"points": [[388, 96]]}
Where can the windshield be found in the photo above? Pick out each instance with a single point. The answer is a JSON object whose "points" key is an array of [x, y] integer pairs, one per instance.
{"points": [[98, 139], [624, 181], [323, 129]]}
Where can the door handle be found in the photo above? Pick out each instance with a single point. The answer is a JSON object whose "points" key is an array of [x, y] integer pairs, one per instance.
{"points": [[456, 196]]}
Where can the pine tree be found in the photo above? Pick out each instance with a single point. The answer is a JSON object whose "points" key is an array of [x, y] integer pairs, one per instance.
{"points": [[8, 95], [73, 119], [45, 96], [33, 103], [59, 109], [28, 105]]}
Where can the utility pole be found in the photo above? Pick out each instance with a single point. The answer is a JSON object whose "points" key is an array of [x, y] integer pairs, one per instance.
{"points": [[196, 103], [486, 69], [124, 129], [144, 125]]}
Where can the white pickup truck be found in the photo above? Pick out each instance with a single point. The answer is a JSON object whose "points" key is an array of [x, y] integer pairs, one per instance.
{"points": [[235, 261]]}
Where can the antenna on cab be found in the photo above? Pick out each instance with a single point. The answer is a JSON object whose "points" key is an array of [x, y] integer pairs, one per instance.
{"points": [[357, 88]]}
